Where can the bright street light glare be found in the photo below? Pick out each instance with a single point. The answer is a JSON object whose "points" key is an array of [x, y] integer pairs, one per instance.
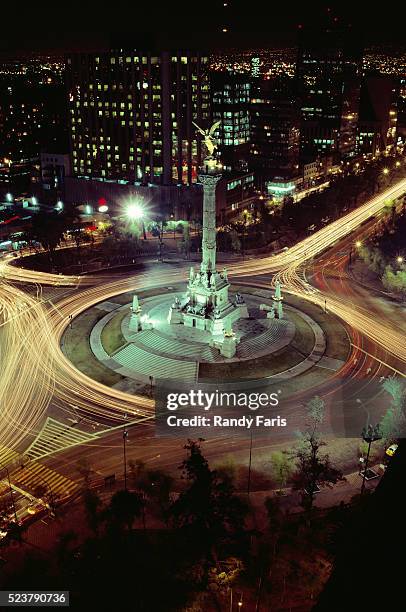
{"points": [[134, 211]]}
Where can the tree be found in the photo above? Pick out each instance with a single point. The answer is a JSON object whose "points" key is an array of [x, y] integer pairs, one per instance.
{"points": [[123, 509], [313, 468], [186, 239], [393, 423], [235, 241], [208, 510], [93, 505], [281, 468], [154, 486], [48, 229]]}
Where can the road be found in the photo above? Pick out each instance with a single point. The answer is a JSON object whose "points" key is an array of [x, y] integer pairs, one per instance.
{"points": [[35, 375]]}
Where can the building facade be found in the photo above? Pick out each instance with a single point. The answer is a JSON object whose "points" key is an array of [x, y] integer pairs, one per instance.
{"points": [[131, 119], [230, 94], [32, 116], [275, 129], [328, 76], [377, 130]]}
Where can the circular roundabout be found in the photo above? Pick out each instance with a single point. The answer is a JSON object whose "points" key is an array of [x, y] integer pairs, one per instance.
{"points": [[266, 347]]}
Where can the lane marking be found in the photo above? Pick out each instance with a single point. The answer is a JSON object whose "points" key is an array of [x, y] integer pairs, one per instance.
{"points": [[379, 360]]}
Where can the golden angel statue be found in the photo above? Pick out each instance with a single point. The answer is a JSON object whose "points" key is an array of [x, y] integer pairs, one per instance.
{"points": [[209, 139]]}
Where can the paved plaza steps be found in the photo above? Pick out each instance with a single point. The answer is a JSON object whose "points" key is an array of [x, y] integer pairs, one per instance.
{"points": [[162, 344], [260, 344], [148, 364]]}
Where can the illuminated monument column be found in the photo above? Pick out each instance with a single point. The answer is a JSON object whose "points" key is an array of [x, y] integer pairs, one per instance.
{"points": [[209, 181], [206, 304]]}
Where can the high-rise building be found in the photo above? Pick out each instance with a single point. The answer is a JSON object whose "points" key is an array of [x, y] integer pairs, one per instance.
{"points": [[378, 113], [131, 124], [31, 118], [275, 133], [401, 109], [328, 75], [231, 105]]}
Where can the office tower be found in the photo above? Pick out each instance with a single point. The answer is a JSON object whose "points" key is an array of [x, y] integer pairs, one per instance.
{"points": [[231, 105], [401, 109], [131, 124], [275, 134], [31, 118], [378, 114], [328, 75]]}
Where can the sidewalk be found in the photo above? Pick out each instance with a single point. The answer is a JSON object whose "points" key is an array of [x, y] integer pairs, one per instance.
{"points": [[362, 275]]}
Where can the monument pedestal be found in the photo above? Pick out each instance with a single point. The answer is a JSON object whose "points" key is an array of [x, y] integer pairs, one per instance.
{"points": [[175, 313]]}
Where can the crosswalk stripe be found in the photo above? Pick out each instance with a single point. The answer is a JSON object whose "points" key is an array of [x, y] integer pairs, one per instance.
{"points": [[7, 455], [35, 475], [55, 436]]}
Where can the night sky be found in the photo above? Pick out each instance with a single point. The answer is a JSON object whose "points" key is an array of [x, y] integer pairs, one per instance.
{"points": [[250, 23]]}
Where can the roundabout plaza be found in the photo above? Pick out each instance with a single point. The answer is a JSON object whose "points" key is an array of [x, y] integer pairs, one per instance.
{"points": [[207, 328]]}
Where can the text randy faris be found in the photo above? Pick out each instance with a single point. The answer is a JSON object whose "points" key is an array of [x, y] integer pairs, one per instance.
{"points": [[243, 422]]}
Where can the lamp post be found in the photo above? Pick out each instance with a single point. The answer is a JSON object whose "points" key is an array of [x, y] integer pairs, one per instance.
{"points": [[135, 211], [249, 467], [160, 244], [245, 215], [125, 436], [370, 433]]}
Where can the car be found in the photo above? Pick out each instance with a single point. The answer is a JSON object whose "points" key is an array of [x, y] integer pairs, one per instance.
{"points": [[391, 450]]}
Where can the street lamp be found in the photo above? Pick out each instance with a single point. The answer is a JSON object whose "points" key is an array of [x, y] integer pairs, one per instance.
{"points": [[370, 433], [358, 244], [135, 212], [249, 467], [9, 197], [245, 216], [386, 170], [399, 259], [125, 436]]}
